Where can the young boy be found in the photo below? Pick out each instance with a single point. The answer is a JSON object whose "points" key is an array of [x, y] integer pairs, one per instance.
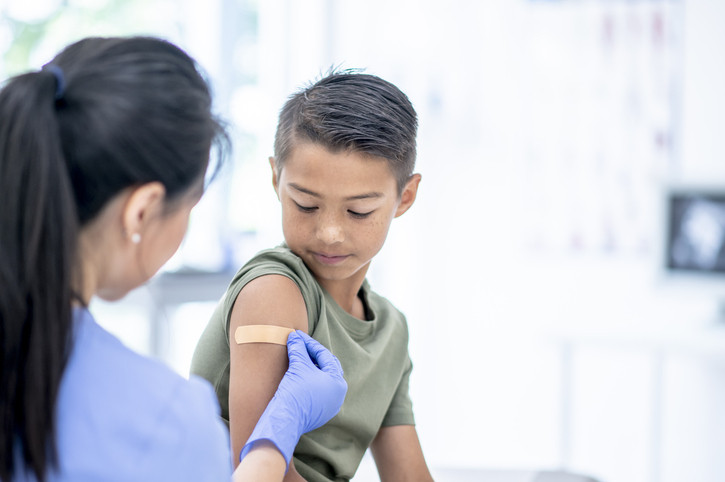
{"points": [[343, 164]]}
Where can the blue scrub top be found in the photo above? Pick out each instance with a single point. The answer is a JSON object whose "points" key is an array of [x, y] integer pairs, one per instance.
{"points": [[124, 417]]}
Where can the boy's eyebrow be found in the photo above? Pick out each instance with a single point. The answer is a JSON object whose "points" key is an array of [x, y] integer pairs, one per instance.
{"points": [[303, 190], [368, 195]]}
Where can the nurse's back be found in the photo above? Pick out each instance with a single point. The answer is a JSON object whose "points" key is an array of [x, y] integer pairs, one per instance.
{"points": [[103, 154], [125, 417]]}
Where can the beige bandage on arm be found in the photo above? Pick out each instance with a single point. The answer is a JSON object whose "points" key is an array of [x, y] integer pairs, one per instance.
{"points": [[262, 334]]}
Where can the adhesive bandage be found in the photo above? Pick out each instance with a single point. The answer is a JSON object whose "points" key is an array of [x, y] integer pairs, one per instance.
{"points": [[262, 334]]}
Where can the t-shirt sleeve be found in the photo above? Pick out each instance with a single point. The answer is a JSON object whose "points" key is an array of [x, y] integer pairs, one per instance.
{"points": [[275, 262], [191, 442], [400, 411]]}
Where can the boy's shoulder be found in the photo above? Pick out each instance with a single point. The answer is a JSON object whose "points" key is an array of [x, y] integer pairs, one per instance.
{"points": [[279, 257], [279, 260]]}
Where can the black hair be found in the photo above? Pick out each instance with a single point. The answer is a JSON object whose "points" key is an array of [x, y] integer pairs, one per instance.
{"points": [[110, 113], [350, 110]]}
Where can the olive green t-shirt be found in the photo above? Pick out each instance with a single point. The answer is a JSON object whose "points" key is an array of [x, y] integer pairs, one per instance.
{"points": [[373, 354]]}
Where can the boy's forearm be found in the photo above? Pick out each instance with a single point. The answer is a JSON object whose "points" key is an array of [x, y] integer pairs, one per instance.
{"points": [[399, 456]]}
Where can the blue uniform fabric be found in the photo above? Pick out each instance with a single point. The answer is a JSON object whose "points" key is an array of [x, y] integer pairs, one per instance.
{"points": [[125, 417]]}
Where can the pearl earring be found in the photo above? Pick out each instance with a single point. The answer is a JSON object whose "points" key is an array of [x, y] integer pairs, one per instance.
{"points": [[135, 238]]}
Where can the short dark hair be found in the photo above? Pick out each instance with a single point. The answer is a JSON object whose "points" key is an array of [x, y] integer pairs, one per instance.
{"points": [[351, 111], [106, 114]]}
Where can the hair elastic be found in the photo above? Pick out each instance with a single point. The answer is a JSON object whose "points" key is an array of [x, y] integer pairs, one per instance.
{"points": [[59, 80]]}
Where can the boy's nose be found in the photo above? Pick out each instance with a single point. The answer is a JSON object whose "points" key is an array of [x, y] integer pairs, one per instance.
{"points": [[330, 233]]}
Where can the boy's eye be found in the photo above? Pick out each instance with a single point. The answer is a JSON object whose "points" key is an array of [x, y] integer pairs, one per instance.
{"points": [[305, 209], [359, 215]]}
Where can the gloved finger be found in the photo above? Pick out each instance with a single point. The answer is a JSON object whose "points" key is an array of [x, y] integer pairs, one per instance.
{"points": [[327, 362], [297, 349]]}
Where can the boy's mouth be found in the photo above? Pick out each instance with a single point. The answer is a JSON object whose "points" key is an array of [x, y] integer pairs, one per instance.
{"points": [[329, 259]]}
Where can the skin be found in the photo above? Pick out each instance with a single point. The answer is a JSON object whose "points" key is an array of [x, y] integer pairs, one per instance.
{"points": [[337, 208], [112, 264], [263, 463]]}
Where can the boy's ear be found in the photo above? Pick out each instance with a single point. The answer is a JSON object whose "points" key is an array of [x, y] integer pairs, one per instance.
{"points": [[275, 180], [143, 203], [407, 197]]}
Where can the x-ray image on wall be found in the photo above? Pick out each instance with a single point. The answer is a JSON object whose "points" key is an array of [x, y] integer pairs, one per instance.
{"points": [[696, 239]]}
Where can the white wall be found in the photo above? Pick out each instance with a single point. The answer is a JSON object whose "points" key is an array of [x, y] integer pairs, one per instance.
{"points": [[703, 112]]}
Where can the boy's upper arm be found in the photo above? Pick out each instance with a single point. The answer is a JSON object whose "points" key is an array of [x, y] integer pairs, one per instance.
{"points": [[257, 368], [398, 455]]}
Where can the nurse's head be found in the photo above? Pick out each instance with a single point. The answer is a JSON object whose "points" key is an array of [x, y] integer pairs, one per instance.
{"points": [[103, 154]]}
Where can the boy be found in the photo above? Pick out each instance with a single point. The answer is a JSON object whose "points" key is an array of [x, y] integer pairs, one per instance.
{"points": [[342, 169]]}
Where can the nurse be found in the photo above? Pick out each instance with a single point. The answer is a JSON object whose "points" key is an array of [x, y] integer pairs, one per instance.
{"points": [[103, 154]]}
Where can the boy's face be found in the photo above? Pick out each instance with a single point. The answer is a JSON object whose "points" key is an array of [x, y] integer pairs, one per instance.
{"points": [[337, 209]]}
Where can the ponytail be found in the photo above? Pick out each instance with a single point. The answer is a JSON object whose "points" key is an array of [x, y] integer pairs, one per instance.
{"points": [[38, 238]]}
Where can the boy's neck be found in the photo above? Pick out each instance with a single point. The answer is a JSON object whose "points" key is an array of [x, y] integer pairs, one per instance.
{"points": [[345, 293]]}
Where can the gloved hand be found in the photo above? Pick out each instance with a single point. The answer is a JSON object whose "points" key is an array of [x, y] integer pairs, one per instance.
{"points": [[307, 397]]}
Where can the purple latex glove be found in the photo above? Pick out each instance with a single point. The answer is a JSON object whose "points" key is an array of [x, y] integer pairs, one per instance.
{"points": [[307, 397]]}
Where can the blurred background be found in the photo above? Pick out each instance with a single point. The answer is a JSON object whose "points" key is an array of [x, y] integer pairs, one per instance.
{"points": [[562, 269]]}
